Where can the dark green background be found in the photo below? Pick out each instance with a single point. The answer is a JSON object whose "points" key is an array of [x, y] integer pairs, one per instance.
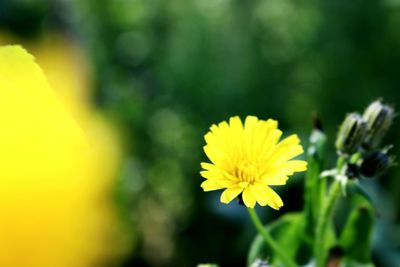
{"points": [[166, 70]]}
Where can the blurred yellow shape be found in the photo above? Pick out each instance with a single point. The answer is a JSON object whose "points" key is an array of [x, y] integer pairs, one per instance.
{"points": [[69, 74], [55, 177]]}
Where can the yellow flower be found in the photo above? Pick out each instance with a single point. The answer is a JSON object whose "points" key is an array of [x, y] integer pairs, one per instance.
{"points": [[248, 159]]}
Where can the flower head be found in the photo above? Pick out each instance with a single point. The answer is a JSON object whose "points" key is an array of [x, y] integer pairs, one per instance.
{"points": [[248, 159]]}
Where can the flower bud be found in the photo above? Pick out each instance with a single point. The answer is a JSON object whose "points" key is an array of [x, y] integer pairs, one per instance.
{"points": [[351, 134], [375, 164], [352, 171], [379, 117]]}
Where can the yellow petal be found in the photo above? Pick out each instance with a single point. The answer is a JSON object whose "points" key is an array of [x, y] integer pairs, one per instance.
{"points": [[272, 135], [214, 172], [266, 196], [250, 130], [249, 197], [236, 124], [260, 195], [230, 193], [274, 180], [210, 185], [284, 169], [214, 154], [220, 180], [287, 149], [220, 177], [296, 165], [274, 200]]}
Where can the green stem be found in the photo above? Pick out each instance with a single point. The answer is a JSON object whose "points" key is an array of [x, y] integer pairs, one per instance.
{"points": [[340, 163], [326, 216], [319, 245], [269, 240]]}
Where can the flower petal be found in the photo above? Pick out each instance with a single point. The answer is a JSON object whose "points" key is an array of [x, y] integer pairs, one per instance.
{"points": [[249, 137], [274, 180], [287, 149], [224, 183], [221, 179], [211, 185], [230, 193], [215, 172], [284, 169], [266, 196], [274, 200], [207, 166], [249, 197], [236, 124], [270, 138], [260, 194], [296, 165]]}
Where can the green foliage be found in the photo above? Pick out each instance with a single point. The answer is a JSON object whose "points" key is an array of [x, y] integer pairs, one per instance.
{"points": [[315, 186], [287, 231], [356, 237]]}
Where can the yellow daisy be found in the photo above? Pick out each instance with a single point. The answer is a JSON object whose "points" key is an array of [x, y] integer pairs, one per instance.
{"points": [[248, 159]]}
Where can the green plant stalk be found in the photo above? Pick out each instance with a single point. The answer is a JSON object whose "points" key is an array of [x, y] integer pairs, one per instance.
{"points": [[326, 217], [314, 186], [288, 262], [319, 245]]}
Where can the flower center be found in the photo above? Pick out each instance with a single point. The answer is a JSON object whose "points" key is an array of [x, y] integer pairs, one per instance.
{"points": [[248, 172]]}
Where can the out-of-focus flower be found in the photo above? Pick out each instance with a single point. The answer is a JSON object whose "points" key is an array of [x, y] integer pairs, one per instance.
{"points": [[58, 169], [68, 74], [248, 159], [351, 134]]}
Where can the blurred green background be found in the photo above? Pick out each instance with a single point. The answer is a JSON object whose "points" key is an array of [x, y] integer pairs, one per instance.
{"points": [[166, 70]]}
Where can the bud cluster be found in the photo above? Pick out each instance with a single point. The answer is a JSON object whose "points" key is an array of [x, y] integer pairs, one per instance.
{"points": [[359, 139]]}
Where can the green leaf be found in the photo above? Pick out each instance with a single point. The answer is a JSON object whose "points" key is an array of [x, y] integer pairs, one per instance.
{"points": [[285, 231], [356, 236], [354, 187], [288, 232], [357, 264]]}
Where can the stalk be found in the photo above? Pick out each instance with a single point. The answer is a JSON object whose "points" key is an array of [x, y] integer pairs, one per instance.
{"points": [[288, 262], [326, 216]]}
